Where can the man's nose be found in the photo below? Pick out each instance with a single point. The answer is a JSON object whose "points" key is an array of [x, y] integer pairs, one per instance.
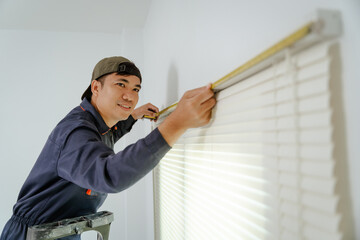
{"points": [[128, 95]]}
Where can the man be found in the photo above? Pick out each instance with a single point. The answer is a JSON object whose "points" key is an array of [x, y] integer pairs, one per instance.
{"points": [[78, 167]]}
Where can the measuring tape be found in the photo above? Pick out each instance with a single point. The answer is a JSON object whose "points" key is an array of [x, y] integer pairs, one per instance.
{"points": [[286, 42]]}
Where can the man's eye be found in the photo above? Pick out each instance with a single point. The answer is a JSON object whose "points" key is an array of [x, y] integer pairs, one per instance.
{"points": [[121, 84], [136, 90]]}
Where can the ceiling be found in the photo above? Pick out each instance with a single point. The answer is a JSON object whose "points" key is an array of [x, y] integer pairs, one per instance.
{"points": [[107, 16]]}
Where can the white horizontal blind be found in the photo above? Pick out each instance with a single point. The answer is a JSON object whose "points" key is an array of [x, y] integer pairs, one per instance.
{"points": [[263, 168]]}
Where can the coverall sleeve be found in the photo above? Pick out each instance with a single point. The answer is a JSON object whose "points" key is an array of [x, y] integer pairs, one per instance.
{"points": [[89, 163], [123, 127]]}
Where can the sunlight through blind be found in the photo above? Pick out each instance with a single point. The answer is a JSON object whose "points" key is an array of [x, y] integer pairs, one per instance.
{"points": [[264, 167]]}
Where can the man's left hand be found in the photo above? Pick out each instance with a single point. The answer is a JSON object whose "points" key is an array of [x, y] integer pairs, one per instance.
{"points": [[146, 109]]}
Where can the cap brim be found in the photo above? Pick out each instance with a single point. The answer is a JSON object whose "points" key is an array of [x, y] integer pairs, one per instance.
{"points": [[87, 94]]}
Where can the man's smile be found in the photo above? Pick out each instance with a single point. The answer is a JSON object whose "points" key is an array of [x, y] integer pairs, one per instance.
{"points": [[126, 107]]}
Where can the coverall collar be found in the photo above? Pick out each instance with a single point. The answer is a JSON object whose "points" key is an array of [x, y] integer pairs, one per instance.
{"points": [[100, 123]]}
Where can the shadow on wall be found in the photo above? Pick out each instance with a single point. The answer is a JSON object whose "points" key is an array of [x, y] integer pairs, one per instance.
{"points": [[172, 86], [340, 152]]}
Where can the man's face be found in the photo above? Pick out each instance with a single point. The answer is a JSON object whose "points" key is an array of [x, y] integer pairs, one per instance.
{"points": [[117, 98]]}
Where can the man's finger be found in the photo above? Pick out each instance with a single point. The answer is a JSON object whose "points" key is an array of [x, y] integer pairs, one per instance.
{"points": [[208, 104], [196, 91], [204, 95], [152, 108], [151, 113]]}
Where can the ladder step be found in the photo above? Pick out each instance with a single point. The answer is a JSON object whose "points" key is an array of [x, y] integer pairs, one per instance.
{"points": [[99, 222]]}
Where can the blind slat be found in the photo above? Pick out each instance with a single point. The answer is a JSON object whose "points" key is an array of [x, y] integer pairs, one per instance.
{"points": [[264, 166]]}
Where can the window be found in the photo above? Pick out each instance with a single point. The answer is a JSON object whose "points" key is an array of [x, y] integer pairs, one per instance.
{"points": [[264, 167]]}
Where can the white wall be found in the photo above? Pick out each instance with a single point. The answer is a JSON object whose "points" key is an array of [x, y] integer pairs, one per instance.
{"points": [[190, 43], [43, 75]]}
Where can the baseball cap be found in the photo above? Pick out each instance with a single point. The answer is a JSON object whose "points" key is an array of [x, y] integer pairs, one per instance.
{"points": [[121, 65]]}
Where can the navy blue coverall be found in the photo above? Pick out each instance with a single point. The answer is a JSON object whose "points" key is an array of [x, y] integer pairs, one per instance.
{"points": [[78, 167]]}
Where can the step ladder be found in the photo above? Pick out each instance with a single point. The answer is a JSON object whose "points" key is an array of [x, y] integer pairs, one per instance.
{"points": [[99, 222]]}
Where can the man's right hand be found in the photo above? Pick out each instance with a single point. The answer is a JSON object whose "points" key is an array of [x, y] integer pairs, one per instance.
{"points": [[193, 110]]}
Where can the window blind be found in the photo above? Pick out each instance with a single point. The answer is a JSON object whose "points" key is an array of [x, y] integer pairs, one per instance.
{"points": [[264, 167]]}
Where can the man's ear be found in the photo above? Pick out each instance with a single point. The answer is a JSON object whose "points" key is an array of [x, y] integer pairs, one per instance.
{"points": [[95, 87]]}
